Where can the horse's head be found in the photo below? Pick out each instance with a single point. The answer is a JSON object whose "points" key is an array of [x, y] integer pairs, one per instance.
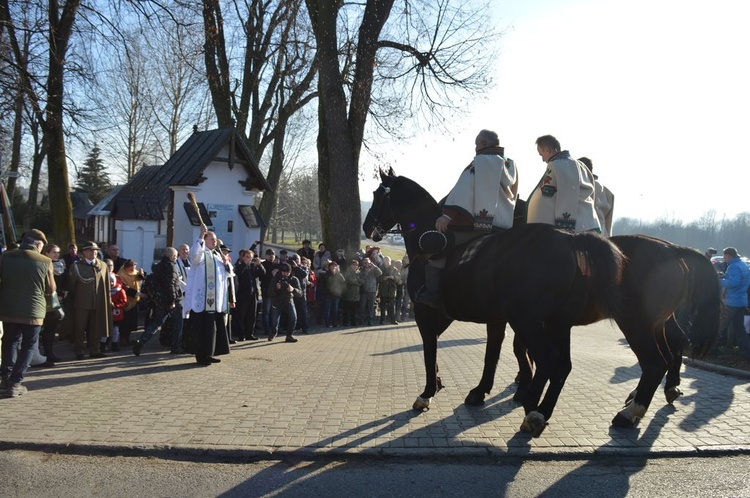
{"points": [[380, 218], [399, 200]]}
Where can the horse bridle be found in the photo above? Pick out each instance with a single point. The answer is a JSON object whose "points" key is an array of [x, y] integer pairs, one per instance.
{"points": [[377, 227]]}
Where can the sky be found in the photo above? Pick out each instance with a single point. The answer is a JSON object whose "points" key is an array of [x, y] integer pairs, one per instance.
{"points": [[655, 92]]}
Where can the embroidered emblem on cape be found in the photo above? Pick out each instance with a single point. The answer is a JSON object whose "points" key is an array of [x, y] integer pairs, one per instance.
{"points": [[472, 248], [483, 221], [547, 189], [565, 222]]}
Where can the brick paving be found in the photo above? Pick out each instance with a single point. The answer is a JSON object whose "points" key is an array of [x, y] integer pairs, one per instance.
{"points": [[349, 391]]}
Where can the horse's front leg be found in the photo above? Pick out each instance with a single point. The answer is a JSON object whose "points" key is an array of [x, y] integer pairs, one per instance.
{"points": [[495, 338], [560, 369], [525, 368], [675, 338], [653, 367], [532, 333], [429, 345], [430, 329]]}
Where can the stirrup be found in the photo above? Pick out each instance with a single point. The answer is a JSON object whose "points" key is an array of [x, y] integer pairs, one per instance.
{"points": [[428, 298]]}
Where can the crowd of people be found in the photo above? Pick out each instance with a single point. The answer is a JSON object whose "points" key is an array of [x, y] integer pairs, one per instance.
{"points": [[203, 302], [199, 300]]}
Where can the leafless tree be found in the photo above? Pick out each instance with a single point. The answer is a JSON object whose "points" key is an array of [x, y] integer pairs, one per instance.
{"points": [[424, 60], [180, 98], [45, 90], [259, 90], [127, 120]]}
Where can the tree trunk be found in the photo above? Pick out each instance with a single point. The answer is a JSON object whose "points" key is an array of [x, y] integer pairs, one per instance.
{"points": [[217, 65], [31, 204], [15, 156], [341, 134], [268, 202], [61, 208]]}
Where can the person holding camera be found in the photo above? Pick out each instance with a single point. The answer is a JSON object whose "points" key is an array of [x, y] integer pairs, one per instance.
{"points": [[371, 276], [302, 272], [283, 289], [248, 271]]}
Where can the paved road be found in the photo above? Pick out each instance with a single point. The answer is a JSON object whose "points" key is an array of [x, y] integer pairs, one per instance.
{"points": [[348, 391]]}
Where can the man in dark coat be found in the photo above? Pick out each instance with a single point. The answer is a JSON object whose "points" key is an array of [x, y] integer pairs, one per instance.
{"points": [[300, 302], [248, 272], [306, 251], [271, 265], [25, 278], [165, 294]]}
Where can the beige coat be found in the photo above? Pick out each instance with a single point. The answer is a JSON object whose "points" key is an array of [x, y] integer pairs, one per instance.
{"points": [[89, 288], [564, 196], [485, 195], [605, 204]]}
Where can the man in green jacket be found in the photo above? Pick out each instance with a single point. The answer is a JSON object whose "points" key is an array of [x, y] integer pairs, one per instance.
{"points": [[26, 278]]}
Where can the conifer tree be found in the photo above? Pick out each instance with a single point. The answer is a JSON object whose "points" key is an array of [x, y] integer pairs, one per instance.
{"points": [[93, 177]]}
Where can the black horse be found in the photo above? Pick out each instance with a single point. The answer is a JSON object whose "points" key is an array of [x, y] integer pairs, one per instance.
{"points": [[539, 279]]}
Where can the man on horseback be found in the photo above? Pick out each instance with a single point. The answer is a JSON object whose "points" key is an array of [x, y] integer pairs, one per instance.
{"points": [[482, 201], [604, 200], [564, 197]]}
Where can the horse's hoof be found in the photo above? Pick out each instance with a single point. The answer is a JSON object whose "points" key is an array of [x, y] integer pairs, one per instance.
{"points": [[474, 398], [534, 424], [630, 398], [629, 416], [520, 394], [622, 421], [672, 394], [421, 404]]}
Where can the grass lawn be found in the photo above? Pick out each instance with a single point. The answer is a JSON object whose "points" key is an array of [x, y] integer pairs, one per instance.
{"points": [[392, 251]]}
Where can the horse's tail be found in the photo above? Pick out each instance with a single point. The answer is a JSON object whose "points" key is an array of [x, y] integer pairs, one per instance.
{"points": [[702, 305], [601, 262]]}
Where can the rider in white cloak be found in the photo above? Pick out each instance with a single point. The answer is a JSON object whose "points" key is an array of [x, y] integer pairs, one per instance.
{"points": [[482, 201]]}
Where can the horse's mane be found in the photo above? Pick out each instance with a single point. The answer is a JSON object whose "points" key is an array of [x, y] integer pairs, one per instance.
{"points": [[415, 192]]}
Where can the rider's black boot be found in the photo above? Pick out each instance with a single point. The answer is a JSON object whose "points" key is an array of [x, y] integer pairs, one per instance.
{"points": [[432, 292]]}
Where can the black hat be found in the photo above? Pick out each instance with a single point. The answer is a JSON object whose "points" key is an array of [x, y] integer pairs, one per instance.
{"points": [[224, 248], [88, 245], [285, 267], [282, 252], [270, 251]]}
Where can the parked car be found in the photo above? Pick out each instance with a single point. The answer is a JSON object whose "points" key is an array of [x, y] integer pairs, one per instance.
{"points": [[718, 262], [720, 266]]}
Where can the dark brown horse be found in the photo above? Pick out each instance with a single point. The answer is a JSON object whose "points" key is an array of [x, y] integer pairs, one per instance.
{"points": [[670, 298], [541, 280]]}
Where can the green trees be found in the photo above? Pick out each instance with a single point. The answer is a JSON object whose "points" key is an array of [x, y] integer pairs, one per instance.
{"points": [[93, 178]]}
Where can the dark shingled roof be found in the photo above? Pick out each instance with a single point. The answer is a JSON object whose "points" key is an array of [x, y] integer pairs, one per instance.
{"points": [[146, 195], [81, 204]]}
